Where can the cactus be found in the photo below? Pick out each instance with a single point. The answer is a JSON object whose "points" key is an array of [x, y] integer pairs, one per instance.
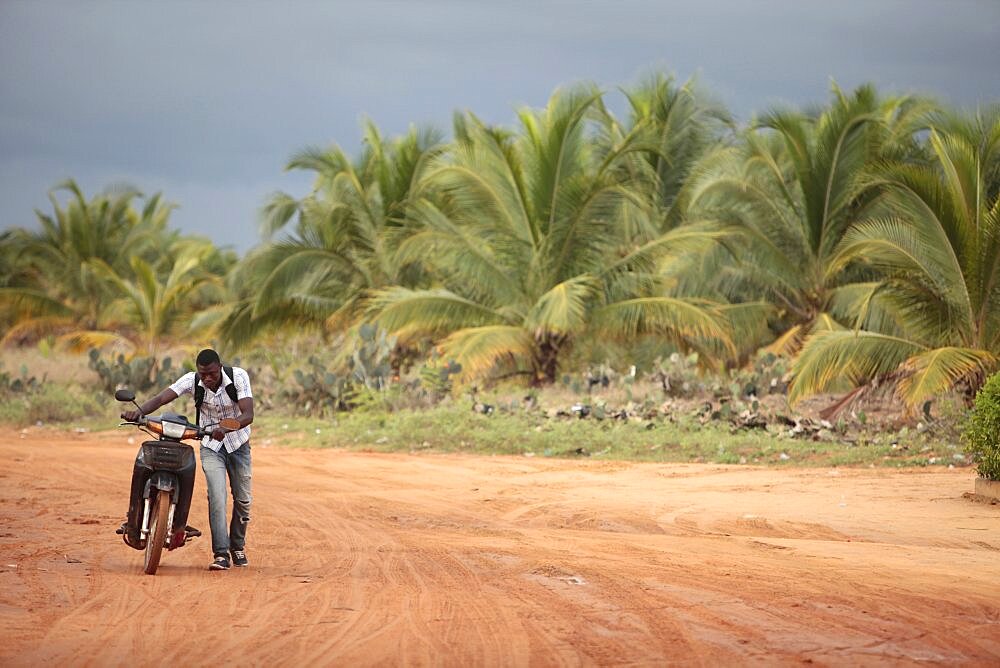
{"points": [[23, 384], [366, 378], [370, 362], [437, 377], [140, 374], [318, 389]]}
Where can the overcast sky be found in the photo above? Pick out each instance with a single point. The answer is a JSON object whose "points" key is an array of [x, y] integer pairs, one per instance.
{"points": [[206, 101]]}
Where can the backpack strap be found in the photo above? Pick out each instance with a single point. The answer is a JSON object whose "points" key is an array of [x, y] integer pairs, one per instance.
{"points": [[199, 392], [231, 387], [199, 397]]}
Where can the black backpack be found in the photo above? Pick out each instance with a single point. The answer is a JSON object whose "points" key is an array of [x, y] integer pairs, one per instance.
{"points": [[199, 392]]}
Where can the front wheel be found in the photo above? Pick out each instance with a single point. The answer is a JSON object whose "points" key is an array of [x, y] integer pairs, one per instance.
{"points": [[157, 532]]}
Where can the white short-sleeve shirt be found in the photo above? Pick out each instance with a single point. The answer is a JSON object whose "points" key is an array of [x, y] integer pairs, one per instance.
{"points": [[217, 405]]}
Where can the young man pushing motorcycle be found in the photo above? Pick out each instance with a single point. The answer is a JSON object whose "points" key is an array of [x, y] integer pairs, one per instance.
{"points": [[220, 392]]}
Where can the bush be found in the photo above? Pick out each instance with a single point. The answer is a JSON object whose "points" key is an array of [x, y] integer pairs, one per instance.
{"points": [[982, 434], [50, 403]]}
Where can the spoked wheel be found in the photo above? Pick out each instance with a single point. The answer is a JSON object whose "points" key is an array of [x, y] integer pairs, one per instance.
{"points": [[157, 532]]}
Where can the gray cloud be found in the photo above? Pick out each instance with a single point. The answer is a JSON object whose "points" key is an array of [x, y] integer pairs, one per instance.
{"points": [[206, 101]]}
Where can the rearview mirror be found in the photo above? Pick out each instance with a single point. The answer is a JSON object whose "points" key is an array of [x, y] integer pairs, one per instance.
{"points": [[125, 395], [230, 424]]}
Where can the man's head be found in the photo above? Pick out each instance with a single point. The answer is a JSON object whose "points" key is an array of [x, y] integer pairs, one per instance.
{"points": [[209, 368]]}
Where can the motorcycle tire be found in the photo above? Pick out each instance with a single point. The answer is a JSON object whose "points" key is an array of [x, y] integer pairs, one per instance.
{"points": [[157, 532]]}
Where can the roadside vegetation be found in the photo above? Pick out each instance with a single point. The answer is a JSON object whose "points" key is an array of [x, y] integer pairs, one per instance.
{"points": [[598, 415], [673, 273]]}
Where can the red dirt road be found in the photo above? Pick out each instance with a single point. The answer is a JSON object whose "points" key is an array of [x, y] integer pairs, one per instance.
{"points": [[366, 559]]}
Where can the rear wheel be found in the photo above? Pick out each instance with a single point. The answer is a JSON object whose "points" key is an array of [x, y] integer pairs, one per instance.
{"points": [[157, 532]]}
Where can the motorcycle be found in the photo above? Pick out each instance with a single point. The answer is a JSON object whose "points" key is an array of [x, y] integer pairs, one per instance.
{"points": [[165, 460]]}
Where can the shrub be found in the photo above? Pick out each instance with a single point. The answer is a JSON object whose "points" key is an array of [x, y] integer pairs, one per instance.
{"points": [[50, 403], [982, 434]]}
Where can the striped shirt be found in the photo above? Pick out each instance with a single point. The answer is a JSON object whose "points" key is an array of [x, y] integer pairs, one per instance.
{"points": [[216, 406]]}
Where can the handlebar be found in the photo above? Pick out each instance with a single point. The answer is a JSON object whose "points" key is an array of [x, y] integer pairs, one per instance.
{"points": [[179, 428]]}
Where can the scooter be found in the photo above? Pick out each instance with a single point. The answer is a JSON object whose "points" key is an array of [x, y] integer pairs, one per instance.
{"points": [[164, 459]]}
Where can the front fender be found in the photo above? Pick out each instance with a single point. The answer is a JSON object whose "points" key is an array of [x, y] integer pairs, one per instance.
{"points": [[160, 480]]}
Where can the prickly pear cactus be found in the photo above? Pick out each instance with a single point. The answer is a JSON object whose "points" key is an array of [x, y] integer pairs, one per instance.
{"points": [[140, 374], [369, 364]]}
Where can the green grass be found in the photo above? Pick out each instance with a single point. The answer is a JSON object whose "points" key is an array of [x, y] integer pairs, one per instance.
{"points": [[514, 429], [450, 428], [53, 403]]}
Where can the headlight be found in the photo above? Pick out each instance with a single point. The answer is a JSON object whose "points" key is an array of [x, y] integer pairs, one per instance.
{"points": [[173, 430]]}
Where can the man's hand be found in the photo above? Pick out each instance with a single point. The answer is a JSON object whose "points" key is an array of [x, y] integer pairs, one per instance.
{"points": [[161, 399], [218, 434]]}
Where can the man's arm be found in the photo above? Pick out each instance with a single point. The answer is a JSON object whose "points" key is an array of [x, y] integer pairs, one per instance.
{"points": [[246, 411], [150, 405]]}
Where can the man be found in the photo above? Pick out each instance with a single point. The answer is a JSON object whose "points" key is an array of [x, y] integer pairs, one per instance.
{"points": [[222, 453]]}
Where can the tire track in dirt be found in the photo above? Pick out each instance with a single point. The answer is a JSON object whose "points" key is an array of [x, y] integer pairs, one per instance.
{"points": [[61, 578], [363, 559]]}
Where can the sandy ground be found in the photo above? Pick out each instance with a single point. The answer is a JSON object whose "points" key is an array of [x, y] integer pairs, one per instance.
{"points": [[369, 559]]}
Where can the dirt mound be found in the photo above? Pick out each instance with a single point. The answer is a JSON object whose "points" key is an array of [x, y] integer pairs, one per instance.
{"points": [[362, 559]]}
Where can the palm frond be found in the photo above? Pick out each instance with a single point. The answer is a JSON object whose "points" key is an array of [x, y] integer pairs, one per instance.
{"points": [[931, 373], [31, 301], [302, 270], [82, 341], [35, 328], [275, 214], [863, 306], [789, 343], [748, 323], [480, 349], [824, 322], [683, 320], [838, 356], [458, 250], [325, 162], [563, 309], [406, 313], [900, 247]]}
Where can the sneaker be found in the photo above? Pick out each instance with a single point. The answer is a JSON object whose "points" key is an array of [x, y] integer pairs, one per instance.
{"points": [[221, 563], [190, 532], [240, 558], [121, 530]]}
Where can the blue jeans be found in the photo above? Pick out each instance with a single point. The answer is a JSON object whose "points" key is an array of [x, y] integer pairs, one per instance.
{"points": [[216, 466]]}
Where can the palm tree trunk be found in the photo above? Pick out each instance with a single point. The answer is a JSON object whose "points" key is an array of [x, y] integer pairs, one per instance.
{"points": [[547, 358]]}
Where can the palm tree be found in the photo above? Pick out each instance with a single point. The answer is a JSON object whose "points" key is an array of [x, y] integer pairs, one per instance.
{"points": [[524, 233], [792, 190], [160, 304], [61, 283], [680, 130], [343, 243], [672, 128], [935, 236], [13, 274]]}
